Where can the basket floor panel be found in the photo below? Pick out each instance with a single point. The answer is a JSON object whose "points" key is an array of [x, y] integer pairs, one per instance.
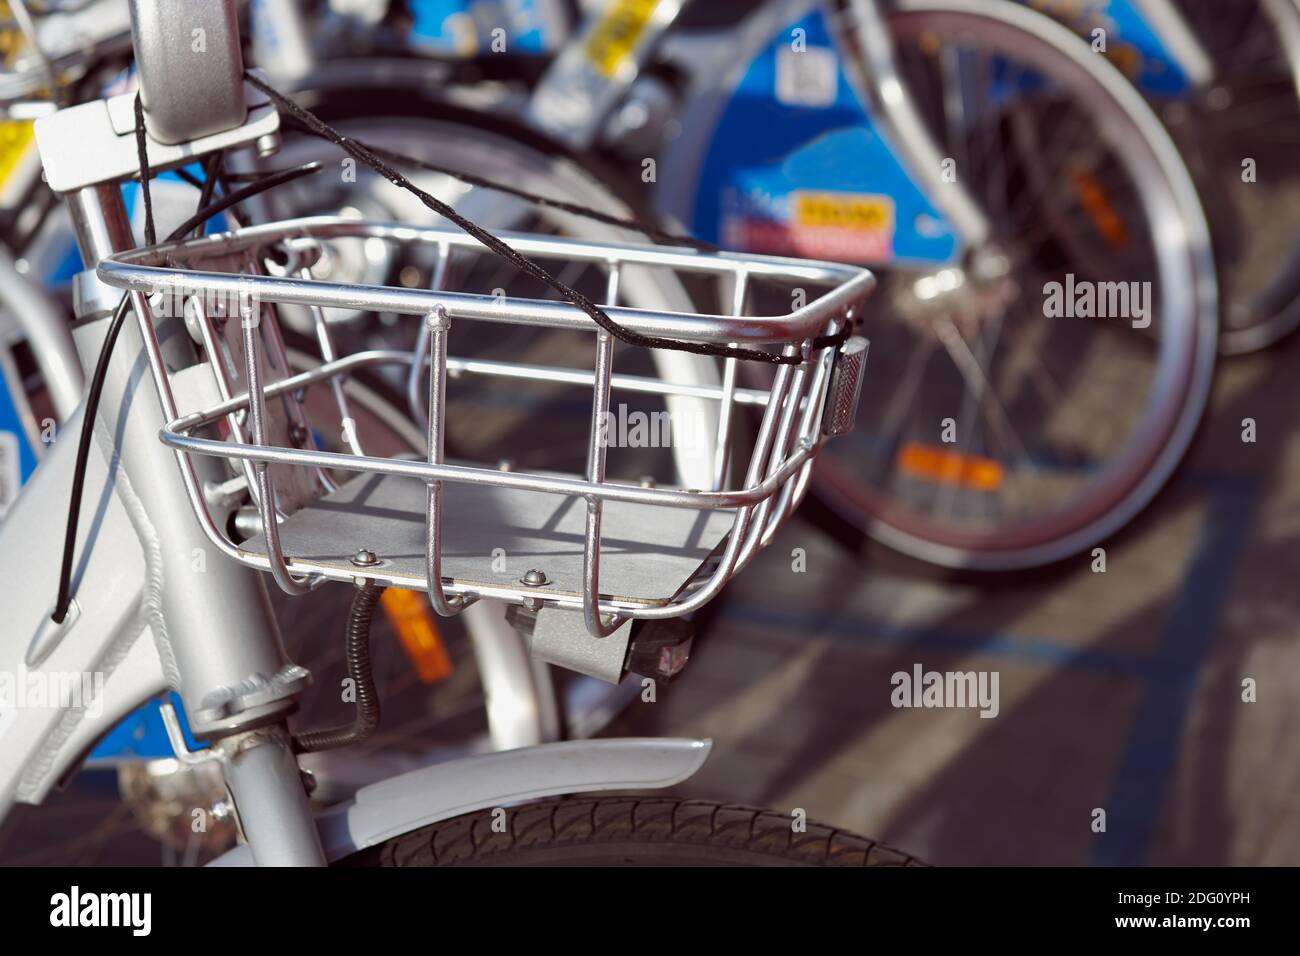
{"points": [[647, 552]]}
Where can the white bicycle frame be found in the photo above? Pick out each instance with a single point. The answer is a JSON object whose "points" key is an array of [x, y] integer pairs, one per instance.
{"points": [[156, 607]]}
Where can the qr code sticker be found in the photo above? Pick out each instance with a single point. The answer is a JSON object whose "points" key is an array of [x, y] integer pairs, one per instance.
{"points": [[806, 77]]}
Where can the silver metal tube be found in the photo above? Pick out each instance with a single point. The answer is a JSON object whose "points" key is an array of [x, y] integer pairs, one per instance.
{"points": [[423, 471], [217, 626], [438, 325], [542, 373], [208, 333], [93, 225], [809, 423], [422, 343], [741, 527], [850, 286], [514, 700], [779, 447], [265, 484], [337, 227], [270, 800], [898, 113], [597, 449], [722, 449], [626, 383], [325, 339]]}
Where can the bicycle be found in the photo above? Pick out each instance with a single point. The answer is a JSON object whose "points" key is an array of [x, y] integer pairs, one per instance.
{"points": [[976, 155], [1226, 81], [521, 706], [202, 368]]}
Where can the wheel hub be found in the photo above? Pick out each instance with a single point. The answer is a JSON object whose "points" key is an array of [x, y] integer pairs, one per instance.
{"points": [[968, 295]]}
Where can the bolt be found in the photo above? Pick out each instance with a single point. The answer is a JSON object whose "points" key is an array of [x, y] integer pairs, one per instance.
{"points": [[268, 145], [535, 578], [365, 558]]}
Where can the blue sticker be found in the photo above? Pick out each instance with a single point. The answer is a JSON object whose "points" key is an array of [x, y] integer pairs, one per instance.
{"points": [[143, 735], [797, 166], [1131, 42]]}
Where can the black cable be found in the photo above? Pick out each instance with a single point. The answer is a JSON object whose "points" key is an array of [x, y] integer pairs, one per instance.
{"points": [[64, 599], [228, 176], [363, 153], [96, 390], [142, 153], [636, 225], [189, 177], [210, 167], [91, 409], [357, 655], [245, 192]]}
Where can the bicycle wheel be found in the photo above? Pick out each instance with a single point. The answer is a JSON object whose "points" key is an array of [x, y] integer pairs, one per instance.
{"points": [[993, 433], [628, 831], [1241, 135]]}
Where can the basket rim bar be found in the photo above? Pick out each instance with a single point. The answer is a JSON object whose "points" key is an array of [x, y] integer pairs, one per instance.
{"points": [[347, 364], [176, 435], [138, 271]]}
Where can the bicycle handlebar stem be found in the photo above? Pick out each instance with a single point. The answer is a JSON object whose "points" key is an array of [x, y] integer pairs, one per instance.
{"points": [[191, 67]]}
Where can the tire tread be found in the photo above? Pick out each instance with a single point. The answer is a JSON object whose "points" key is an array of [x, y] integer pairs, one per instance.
{"points": [[578, 822]]}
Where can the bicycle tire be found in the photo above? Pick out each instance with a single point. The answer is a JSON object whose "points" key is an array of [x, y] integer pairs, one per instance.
{"points": [[1251, 109], [1124, 482], [628, 831]]}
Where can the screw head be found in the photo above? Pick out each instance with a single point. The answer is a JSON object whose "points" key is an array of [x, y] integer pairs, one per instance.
{"points": [[365, 558], [535, 578], [268, 145]]}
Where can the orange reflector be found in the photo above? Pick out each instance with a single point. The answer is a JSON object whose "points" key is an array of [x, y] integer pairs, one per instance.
{"points": [[1096, 203], [950, 467], [412, 619]]}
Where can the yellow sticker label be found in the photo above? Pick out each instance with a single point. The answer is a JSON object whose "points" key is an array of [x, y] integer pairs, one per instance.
{"points": [[16, 138], [856, 212], [614, 36]]}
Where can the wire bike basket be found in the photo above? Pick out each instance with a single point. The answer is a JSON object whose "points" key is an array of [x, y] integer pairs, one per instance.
{"points": [[613, 550]]}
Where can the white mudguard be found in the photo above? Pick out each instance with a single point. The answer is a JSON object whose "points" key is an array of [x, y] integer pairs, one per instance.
{"points": [[412, 800]]}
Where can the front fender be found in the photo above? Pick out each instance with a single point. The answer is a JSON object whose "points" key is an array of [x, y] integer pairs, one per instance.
{"points": [[412, 800]]}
